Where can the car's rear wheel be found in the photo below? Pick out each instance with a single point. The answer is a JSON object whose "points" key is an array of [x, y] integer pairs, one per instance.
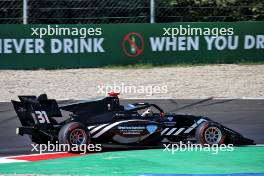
{"points": [[210, 133], [75, 134]]}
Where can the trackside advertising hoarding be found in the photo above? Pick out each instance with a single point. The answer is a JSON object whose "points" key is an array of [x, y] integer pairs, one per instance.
{"points": [[74, 46]]}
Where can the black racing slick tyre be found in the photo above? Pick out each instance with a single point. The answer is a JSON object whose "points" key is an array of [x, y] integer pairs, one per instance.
{"points": [[74, 134], [210, 133]]}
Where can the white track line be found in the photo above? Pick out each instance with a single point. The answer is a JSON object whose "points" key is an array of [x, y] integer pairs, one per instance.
{"points": [[36, 154], [257, 145], [6, 160]]}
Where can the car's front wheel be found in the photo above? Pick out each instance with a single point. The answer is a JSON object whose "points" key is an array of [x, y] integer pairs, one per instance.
{"points": [[210, 133]]}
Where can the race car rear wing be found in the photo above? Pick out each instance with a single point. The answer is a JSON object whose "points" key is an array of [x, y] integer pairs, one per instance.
{"points": [[36, 111]]}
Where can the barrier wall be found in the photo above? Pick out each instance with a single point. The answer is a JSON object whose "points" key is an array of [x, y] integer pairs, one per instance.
{"points": [[74, 46]]}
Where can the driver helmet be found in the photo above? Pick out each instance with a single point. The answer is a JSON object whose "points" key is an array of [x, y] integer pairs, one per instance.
{"points": [[147, 113]]}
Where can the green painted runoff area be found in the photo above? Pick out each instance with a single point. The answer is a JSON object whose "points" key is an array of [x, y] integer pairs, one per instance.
{"points": [[241, 160]]}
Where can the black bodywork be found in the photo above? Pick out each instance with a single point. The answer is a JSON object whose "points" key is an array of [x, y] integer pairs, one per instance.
{"points": [[111, 123]]}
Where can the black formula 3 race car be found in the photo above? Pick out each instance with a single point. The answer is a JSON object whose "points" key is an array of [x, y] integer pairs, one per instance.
{"points": [[106, 121]]}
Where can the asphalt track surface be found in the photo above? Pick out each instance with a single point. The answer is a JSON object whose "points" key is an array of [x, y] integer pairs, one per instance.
{"points": [[245, 116]]}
